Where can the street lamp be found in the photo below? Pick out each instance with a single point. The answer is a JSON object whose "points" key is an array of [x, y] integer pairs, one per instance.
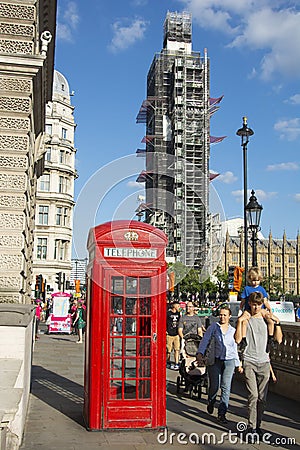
{"points": [[245, 132], [253, 213]]}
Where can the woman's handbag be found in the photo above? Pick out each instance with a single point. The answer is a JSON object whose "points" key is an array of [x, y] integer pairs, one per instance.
{"points": [[209, 356]]}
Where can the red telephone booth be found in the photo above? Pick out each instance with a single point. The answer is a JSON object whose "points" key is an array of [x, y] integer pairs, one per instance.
{"points": [[125, 363]]}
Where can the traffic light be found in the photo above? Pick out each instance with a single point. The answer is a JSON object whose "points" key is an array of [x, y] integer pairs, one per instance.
{"points": [[238, 278], [171, 277], [231, 277], [58, 279], [77, 286], [40, 282]]}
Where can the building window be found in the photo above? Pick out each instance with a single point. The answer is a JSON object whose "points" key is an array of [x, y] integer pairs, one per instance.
{"points": [[45, 182], [65, 217], [277, 258], [62, 157], [292, 287], [41, 248], [292, 272], [235, 258], [278, 271], [263, 258], [48, 154], [64, 133], [43, 215], [62, 215], [63, 185], [48, 129], [263, 271], [292, 259], [60, 250], [59, 215]]}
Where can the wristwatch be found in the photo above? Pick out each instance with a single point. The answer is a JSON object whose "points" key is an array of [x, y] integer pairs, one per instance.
{"points": [[277, 324]]}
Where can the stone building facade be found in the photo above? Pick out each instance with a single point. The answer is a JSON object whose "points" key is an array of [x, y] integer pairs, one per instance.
{"points": [[280, 257], [27, 38]]}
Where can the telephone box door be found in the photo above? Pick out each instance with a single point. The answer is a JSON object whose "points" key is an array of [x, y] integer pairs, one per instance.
{"points": [[130, 394]]}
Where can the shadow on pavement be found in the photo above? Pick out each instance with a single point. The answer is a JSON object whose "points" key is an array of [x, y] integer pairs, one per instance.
{"points": [[58, 392]]}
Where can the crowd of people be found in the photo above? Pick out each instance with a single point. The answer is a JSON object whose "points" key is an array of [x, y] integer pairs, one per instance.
{"points": [[77, 311], [245, 349]]}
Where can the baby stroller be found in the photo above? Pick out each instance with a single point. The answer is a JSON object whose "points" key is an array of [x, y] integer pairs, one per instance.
{"points": [[191, 377]]}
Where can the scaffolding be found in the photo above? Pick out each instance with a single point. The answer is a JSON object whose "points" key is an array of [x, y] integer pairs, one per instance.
{"points": [[177, 115]]}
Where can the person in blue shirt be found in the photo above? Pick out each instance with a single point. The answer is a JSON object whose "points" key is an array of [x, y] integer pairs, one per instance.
{"points": [[254, 278], [226, 360]]}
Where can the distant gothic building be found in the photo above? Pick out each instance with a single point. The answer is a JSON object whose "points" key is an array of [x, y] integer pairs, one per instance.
{"points": [[55, 194], [27, 42], [280, 257]]}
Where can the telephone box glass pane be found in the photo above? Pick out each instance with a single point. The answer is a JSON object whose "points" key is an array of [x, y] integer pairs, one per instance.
{"points": [[131, 285], [116, 305], [129, 388], [116, 347], [117, 285], [115, 391], [130, 326], [144, 346], [144, 389], [145, 368], [116, 324], [145, 286], [116, 368], [130, 368], [145, 306], [130, 347], [144, 326], [130, 306]]}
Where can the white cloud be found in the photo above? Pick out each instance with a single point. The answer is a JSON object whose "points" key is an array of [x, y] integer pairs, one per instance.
{"points": [[259, 193], [263, 25], [227, 177], [135, 184], [288, 129], [297, 197], [294, 99], [67, 21], [126, 35], [283, 166]]}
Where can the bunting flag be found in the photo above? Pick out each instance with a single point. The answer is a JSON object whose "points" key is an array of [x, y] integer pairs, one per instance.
{"points": [[213, 175], [141, 152], [216, 139], [148, 139], [143, 207], [146, 104], [215, 101], [213, 109], [143, 176]]}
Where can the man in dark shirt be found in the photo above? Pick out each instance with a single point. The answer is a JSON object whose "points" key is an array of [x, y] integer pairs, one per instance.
{"points": [[173, 341]]}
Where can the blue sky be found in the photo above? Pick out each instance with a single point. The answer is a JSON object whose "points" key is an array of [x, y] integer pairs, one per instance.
{"points": [[105, 48]]}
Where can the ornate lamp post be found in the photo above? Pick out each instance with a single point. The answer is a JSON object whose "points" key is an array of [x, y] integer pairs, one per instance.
{"points": [[253, 213], [245, 132]]}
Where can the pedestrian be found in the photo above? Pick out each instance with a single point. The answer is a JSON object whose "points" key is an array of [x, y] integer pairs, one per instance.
{"points": [[173, 339], [256, 360], [80, 321], [73, 312], [190, 323], [220, 373], [38, 315], [254, 278]]}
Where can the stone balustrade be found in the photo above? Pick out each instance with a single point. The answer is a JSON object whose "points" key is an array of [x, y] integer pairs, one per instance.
{"points": [[285, 361]]}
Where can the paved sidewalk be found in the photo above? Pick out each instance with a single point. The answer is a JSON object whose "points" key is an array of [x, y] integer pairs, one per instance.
{"points": [[54, 420]]}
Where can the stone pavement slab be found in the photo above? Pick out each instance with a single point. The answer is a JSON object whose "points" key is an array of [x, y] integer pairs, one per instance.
{"points": [[55, 422]]}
